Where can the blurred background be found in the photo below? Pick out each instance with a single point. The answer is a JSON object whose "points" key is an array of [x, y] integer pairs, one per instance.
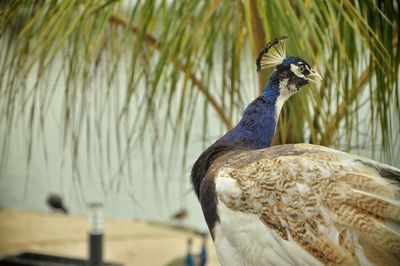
{"points": [[112, 102]]}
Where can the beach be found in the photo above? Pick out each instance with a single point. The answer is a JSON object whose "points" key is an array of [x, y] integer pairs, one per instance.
{"points": [[126, 241]]}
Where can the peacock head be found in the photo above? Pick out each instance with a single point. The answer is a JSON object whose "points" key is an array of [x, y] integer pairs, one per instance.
{"points": [[291, 72]]}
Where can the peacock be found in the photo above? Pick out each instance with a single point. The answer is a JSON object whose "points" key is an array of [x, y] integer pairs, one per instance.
{"points": [[295, 204]]}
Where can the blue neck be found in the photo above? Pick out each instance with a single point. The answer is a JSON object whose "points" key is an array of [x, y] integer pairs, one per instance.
{"points": [[257, 126]]}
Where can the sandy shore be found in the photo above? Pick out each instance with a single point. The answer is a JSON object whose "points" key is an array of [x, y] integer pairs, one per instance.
{"points": [[127, 242]]}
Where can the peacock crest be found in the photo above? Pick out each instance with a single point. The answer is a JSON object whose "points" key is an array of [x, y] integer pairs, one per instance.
{"points": [[273, 53]]}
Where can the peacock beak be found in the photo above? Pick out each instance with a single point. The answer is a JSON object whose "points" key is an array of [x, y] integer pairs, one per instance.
{"points": [[314, 77]]}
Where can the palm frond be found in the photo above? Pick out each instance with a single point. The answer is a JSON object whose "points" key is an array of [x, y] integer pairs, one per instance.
{"points": [[127, 72]]}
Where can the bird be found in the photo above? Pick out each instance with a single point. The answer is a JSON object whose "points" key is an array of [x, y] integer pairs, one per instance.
{"points": [[54, 201], [189, 260], [180, 215], [294, 204], [203, 251]]}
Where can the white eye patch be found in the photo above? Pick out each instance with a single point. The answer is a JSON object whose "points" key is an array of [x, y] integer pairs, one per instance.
{"points": [[296, 70]]}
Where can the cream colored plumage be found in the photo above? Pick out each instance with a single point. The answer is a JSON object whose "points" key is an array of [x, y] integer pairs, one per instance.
{"points": [[339, 208]]}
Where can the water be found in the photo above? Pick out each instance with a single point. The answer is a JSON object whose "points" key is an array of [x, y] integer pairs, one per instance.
{"points": [[94, 176], [136, 197]]}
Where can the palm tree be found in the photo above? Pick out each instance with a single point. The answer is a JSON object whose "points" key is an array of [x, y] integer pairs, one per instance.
{"points": [[142, 70]]}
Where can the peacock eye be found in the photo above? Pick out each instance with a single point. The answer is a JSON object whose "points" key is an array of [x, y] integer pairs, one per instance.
{"points": [[301, 68]]}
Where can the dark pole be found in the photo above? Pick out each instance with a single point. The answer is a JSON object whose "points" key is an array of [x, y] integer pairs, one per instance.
{"points": [[96, 235]]}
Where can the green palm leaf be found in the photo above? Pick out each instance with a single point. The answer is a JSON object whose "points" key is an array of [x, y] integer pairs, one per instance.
{"points": [[127, 70]]}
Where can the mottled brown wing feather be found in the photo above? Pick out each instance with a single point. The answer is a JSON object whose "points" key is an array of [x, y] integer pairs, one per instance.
{"points": [[329, 202]]}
